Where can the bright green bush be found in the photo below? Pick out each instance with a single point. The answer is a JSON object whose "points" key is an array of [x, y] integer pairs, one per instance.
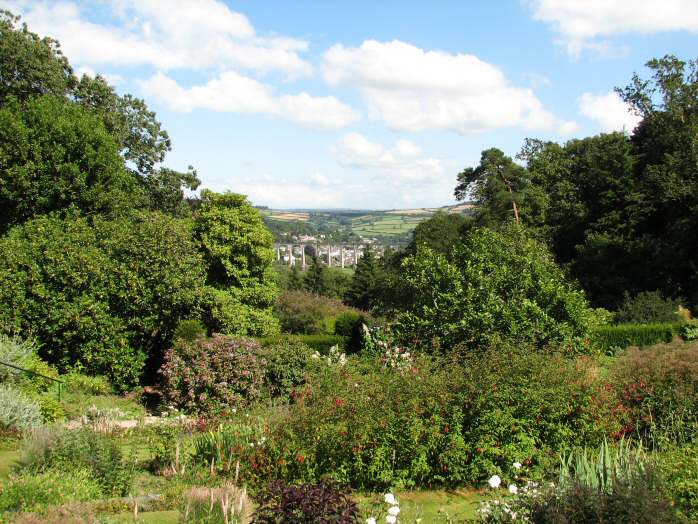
{"points": [[18, 411], [80, 450], [100, 295], [36, 491], [51, 408], [213, 374], [189, 329], [497, 286], [286, 366], [679, 468], [626, 335], [90, 385], [305, 313]]}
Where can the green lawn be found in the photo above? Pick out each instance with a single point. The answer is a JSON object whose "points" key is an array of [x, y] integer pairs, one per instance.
{"points": [[429, 506]]}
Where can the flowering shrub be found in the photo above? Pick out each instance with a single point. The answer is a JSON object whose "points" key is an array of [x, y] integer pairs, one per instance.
{"points": [[380, 342], [209, 375], [286, 366], [321, 503]]}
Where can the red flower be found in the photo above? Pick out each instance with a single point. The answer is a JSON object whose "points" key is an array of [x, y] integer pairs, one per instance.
{"points": [[338, 402], [300, 459], [447, 429]]}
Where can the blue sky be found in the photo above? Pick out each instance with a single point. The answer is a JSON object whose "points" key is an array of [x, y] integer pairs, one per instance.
{"points": [[365, 104]]}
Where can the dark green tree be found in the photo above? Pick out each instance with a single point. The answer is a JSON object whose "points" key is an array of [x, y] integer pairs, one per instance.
{"points": [[295, 279], [498, 186], [365, 291], [442, 232], [314, 280]]}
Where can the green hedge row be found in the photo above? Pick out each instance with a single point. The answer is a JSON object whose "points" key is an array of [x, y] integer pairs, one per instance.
{"points": [[626, 335], [320, 343]]}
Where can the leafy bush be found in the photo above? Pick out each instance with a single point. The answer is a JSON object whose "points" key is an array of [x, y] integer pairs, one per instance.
{"points": [[659, 387], [648, 307], [36, 491], [51, 408], [70, 450], [626, 335], [76, 382], [319, 343], [286, 364], [689, 332], [17, 352], [168, 448], [307, 313], [679, 468], [322, 503], [189, 329], [211, 374], [18, 412], [100, 295], [498, 286]]}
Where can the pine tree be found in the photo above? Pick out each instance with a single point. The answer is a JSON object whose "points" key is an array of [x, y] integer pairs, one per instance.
{"points": [[314, 280], [364, 290]]}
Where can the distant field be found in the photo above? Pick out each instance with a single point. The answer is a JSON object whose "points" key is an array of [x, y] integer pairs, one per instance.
{"points": [[386, 224], [287, 216]]}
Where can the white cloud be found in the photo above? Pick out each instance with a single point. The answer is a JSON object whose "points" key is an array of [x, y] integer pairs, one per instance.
{"points": [[113, 79], [232, 92], [171, 34], [415, 90], [609, 111], [580, 23]]}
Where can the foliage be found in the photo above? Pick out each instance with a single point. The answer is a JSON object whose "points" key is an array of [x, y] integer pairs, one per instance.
{"points": [[306, 313], [659, 386], [679, 468], [350, 325], [167, 446], [56, 155], [36, 491], [51, 409], [207, 375], [314, 280], [189, 329], [367, 278], [101, 296], [238, 253], [499, 286], [81, 449], [30, 65], [23, 354], [286, 363], [323, 503], [648, 307], [18, 412], [441, 232], [90, 385], [626, 335], [319, 343]]}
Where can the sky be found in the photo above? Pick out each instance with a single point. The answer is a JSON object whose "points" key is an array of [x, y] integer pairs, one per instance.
{"points": [[365, 104]]}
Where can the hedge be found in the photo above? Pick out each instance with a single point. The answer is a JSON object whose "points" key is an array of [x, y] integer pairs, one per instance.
{"points": [[626, 335], [320, 343]]}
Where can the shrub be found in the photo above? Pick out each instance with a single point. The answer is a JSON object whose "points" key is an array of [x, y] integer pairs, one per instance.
{"points": [[18, 412], [211, 374], [679, 468], [188, 330], [17, 352], [498, 286], [51, 408], [286, 364], [659, 386], [168, 448], [648, 307], [71, 450], [76, 382], [350, 325], [36, 491], [625, 335], [306, 313], [321, 503], [100, 295]]}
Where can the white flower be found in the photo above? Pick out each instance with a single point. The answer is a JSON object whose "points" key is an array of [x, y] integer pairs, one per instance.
{"points": [[390, 499], [517, 465], [371, 520], [513, 489], [391, 519], [395, 510], [494, 481]]}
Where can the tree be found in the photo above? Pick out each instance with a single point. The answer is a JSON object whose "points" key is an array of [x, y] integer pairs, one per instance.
{"points": [[314, 280], [103, 295], [499, 286], [30, 65], [295, 280], [364, 292], [54, 155], [442, 232], [498, 186], [238, 251]]}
